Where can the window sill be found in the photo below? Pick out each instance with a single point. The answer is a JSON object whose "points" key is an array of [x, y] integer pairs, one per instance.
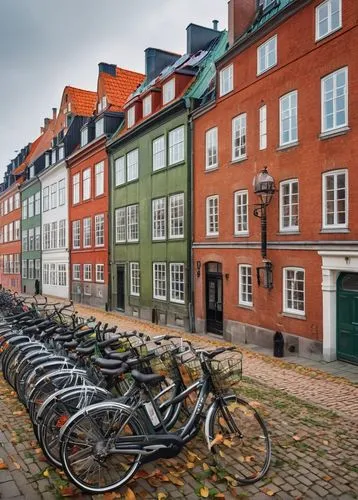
{"points": [[158, 170], [288, 233], [333, 133], [238, 160], [177, 164], [207, 170], [323, 37], [294, 316], [246, 306], [260, 73], [241, 235], [342, 230], [211, 236], [287, 146], [161, 240]]}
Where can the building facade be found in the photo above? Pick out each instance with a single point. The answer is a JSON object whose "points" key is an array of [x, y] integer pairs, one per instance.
{"points": [[287, 103]]}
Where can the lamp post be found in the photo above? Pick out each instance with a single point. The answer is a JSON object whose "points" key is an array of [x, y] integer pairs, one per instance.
{"points": [[264, 187]]}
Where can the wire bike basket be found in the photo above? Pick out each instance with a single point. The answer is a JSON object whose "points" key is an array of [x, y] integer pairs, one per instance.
{"points": [[226, 372]]}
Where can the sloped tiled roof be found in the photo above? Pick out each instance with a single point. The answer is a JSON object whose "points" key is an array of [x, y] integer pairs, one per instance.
{"points": [[118, 88], [20, 169], [83, 102]]}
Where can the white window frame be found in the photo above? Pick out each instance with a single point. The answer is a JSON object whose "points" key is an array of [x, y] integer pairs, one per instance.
{"points": [[169, 91], [31, 238], [245, 285], [132, 165], [86, 184], [239, 133], [176, 145], [84, 136], [99, 178], [291, 227], [87, 232], [54, 235], [286, 308], [87, 272], [17, 200], [159, 267], [335, 90], [53, 196], [211, 148], [159, 153], [31, 207], [120, 213], [131, 116], [176, 216], [76, 189], [45, 199], [17, 230], [99, 127], [130, 224], [23, 269], [159, 219], [263, 127], [290, 115], [175, 285], [120, 170], [335, 225], [46, 274], [24, 209], [38, 203], [61, 192], [61, 152], [62, 274], [37, 238], [38, 269], [76, 272], [99, 273], [211, 214], [330, 30], [241, 211], [62, 233], [147, 105], [265, 48], [76, 234], [226, 80], [134, 277], [99, 230]]}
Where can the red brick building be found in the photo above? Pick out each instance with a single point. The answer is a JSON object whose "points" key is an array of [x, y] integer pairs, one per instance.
{"points": [[89, 185], [286, 99]]}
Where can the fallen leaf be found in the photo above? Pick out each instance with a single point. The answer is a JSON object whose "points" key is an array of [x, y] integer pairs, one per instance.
{"points": [[205, 466], [175, 480], [46, 473], [161, 495], [268, 492], [190, 465], [325, 442], [227, 443], [16, 465], [129, 495], [192, 456], [3, 465], [204, 492], [219, 495], [296, 438], [232, 482], [219, 438], [255, 404], [112, 496], [68, 491], [327, 478]]}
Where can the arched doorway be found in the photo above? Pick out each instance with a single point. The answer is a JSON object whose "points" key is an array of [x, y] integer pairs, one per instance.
{"points": [[214, 297], [347, 317]]}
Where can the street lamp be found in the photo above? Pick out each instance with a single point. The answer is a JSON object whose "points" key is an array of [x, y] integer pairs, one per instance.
{"points": [[264, 187]]}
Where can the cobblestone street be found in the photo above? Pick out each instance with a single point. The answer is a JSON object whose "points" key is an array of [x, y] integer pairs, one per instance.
{"points": [[311, 415]]}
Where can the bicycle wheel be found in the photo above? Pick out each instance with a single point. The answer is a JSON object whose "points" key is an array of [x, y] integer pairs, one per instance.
{"points": [[87, 447], [239, 439], [58, 410]]}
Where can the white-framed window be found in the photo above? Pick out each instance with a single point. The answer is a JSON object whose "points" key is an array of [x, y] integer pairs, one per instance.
{"points": [[47, 160], [133, 223], [120, 222], [37, 269], [31, 239], [53, 156], [245, 285], [61, 192], [11, 231], [38, 238], [53, 195], [61, 152], [46, 236], [45, 199], [62, 233], [76, 189], [134, 273], [25, 241], [87, 272], [17, 200], [11, 204], [99, 230], [147, 105], [99, 178], [169, 91], [176, 145], [334, 96], [86, 184], [31, 269], [17, 230], [76, 234], [263, 126], [212, 215], [159, 218], [159, 153], [288, 118], [241, 216], [266, 3], [24, 209], [24, 269], [100, 273], [267, 55], [84, 136], [120, 170], [54, 234], [17, 263], [328, 18], [6, 206], [211, 148], [239, 137], [294, 290], [159, 280], [177, 283], [53, 274], [176, 216], [62, 275], [131, 117], [132, 165], [46, 274], [87, 237], [76, 272], [99, 127], [31, 171], [289, 205], [37, 203], [226, 80], [335, 199]]}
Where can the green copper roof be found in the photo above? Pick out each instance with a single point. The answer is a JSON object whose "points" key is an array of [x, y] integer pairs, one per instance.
{"points": [[268, 14]]}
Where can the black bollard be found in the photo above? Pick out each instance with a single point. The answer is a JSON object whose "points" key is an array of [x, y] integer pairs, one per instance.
{"points": [[278, 345]]}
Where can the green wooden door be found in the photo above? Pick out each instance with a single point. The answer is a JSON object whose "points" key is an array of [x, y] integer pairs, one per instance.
{"points": [[347, 317]]}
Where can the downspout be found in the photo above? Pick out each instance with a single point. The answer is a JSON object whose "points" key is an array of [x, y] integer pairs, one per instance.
{"points": [[109, 225], [191, 228]]}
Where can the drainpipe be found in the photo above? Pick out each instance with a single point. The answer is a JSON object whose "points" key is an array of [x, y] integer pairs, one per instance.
{"points": [[109, 225], [191, 239]]}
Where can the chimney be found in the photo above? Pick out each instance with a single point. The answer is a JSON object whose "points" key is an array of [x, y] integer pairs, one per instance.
{"points": [[54, 113], [46, 123], [199, 37], [42, 130], [241, 15], [107, 68], [156, 60], [215, 24]]}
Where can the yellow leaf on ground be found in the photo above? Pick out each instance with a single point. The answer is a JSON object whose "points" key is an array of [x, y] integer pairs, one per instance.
{"points": [[161, 495], [190, 465], [175, 480], [327, 478], [204, 492], [192, 456], [219, 438], [205, 466], [227, 443], [129, 495], [268, 492], [46, 473], [3, 465]]}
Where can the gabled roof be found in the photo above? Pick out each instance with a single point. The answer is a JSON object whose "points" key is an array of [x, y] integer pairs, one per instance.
{"points": [[20, 169], [118, 88], [83, 102]]}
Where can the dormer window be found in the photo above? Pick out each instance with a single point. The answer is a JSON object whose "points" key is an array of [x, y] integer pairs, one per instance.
{"points": [[61, 152], [104, 102], [53, 156], [84, 136], [47, 159], [31, 171], [147, 105], [169, 91], [99, 127], [69, 118], [266, 3], [131, 117]]}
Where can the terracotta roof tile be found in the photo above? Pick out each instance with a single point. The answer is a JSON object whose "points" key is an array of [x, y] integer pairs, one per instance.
{"points": [[118, 88], [83, 102]]}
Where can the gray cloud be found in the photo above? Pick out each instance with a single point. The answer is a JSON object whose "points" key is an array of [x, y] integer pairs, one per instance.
{"points": [[45, 45]]}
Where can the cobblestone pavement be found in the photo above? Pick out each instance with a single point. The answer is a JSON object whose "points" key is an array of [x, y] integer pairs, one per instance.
{"points": [[314, 447]]}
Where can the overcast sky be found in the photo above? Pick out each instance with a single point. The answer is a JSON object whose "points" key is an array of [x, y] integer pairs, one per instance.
{"points": [[47, 44]]}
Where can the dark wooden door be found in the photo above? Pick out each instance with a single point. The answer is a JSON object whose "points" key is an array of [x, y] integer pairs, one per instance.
{"points": [[214, 299], [120, 287], [347, 317]]}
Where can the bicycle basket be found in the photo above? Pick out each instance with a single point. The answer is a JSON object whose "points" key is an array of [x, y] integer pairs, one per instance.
{"points": [[163, 362], [226, 373], [189, 366]]}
